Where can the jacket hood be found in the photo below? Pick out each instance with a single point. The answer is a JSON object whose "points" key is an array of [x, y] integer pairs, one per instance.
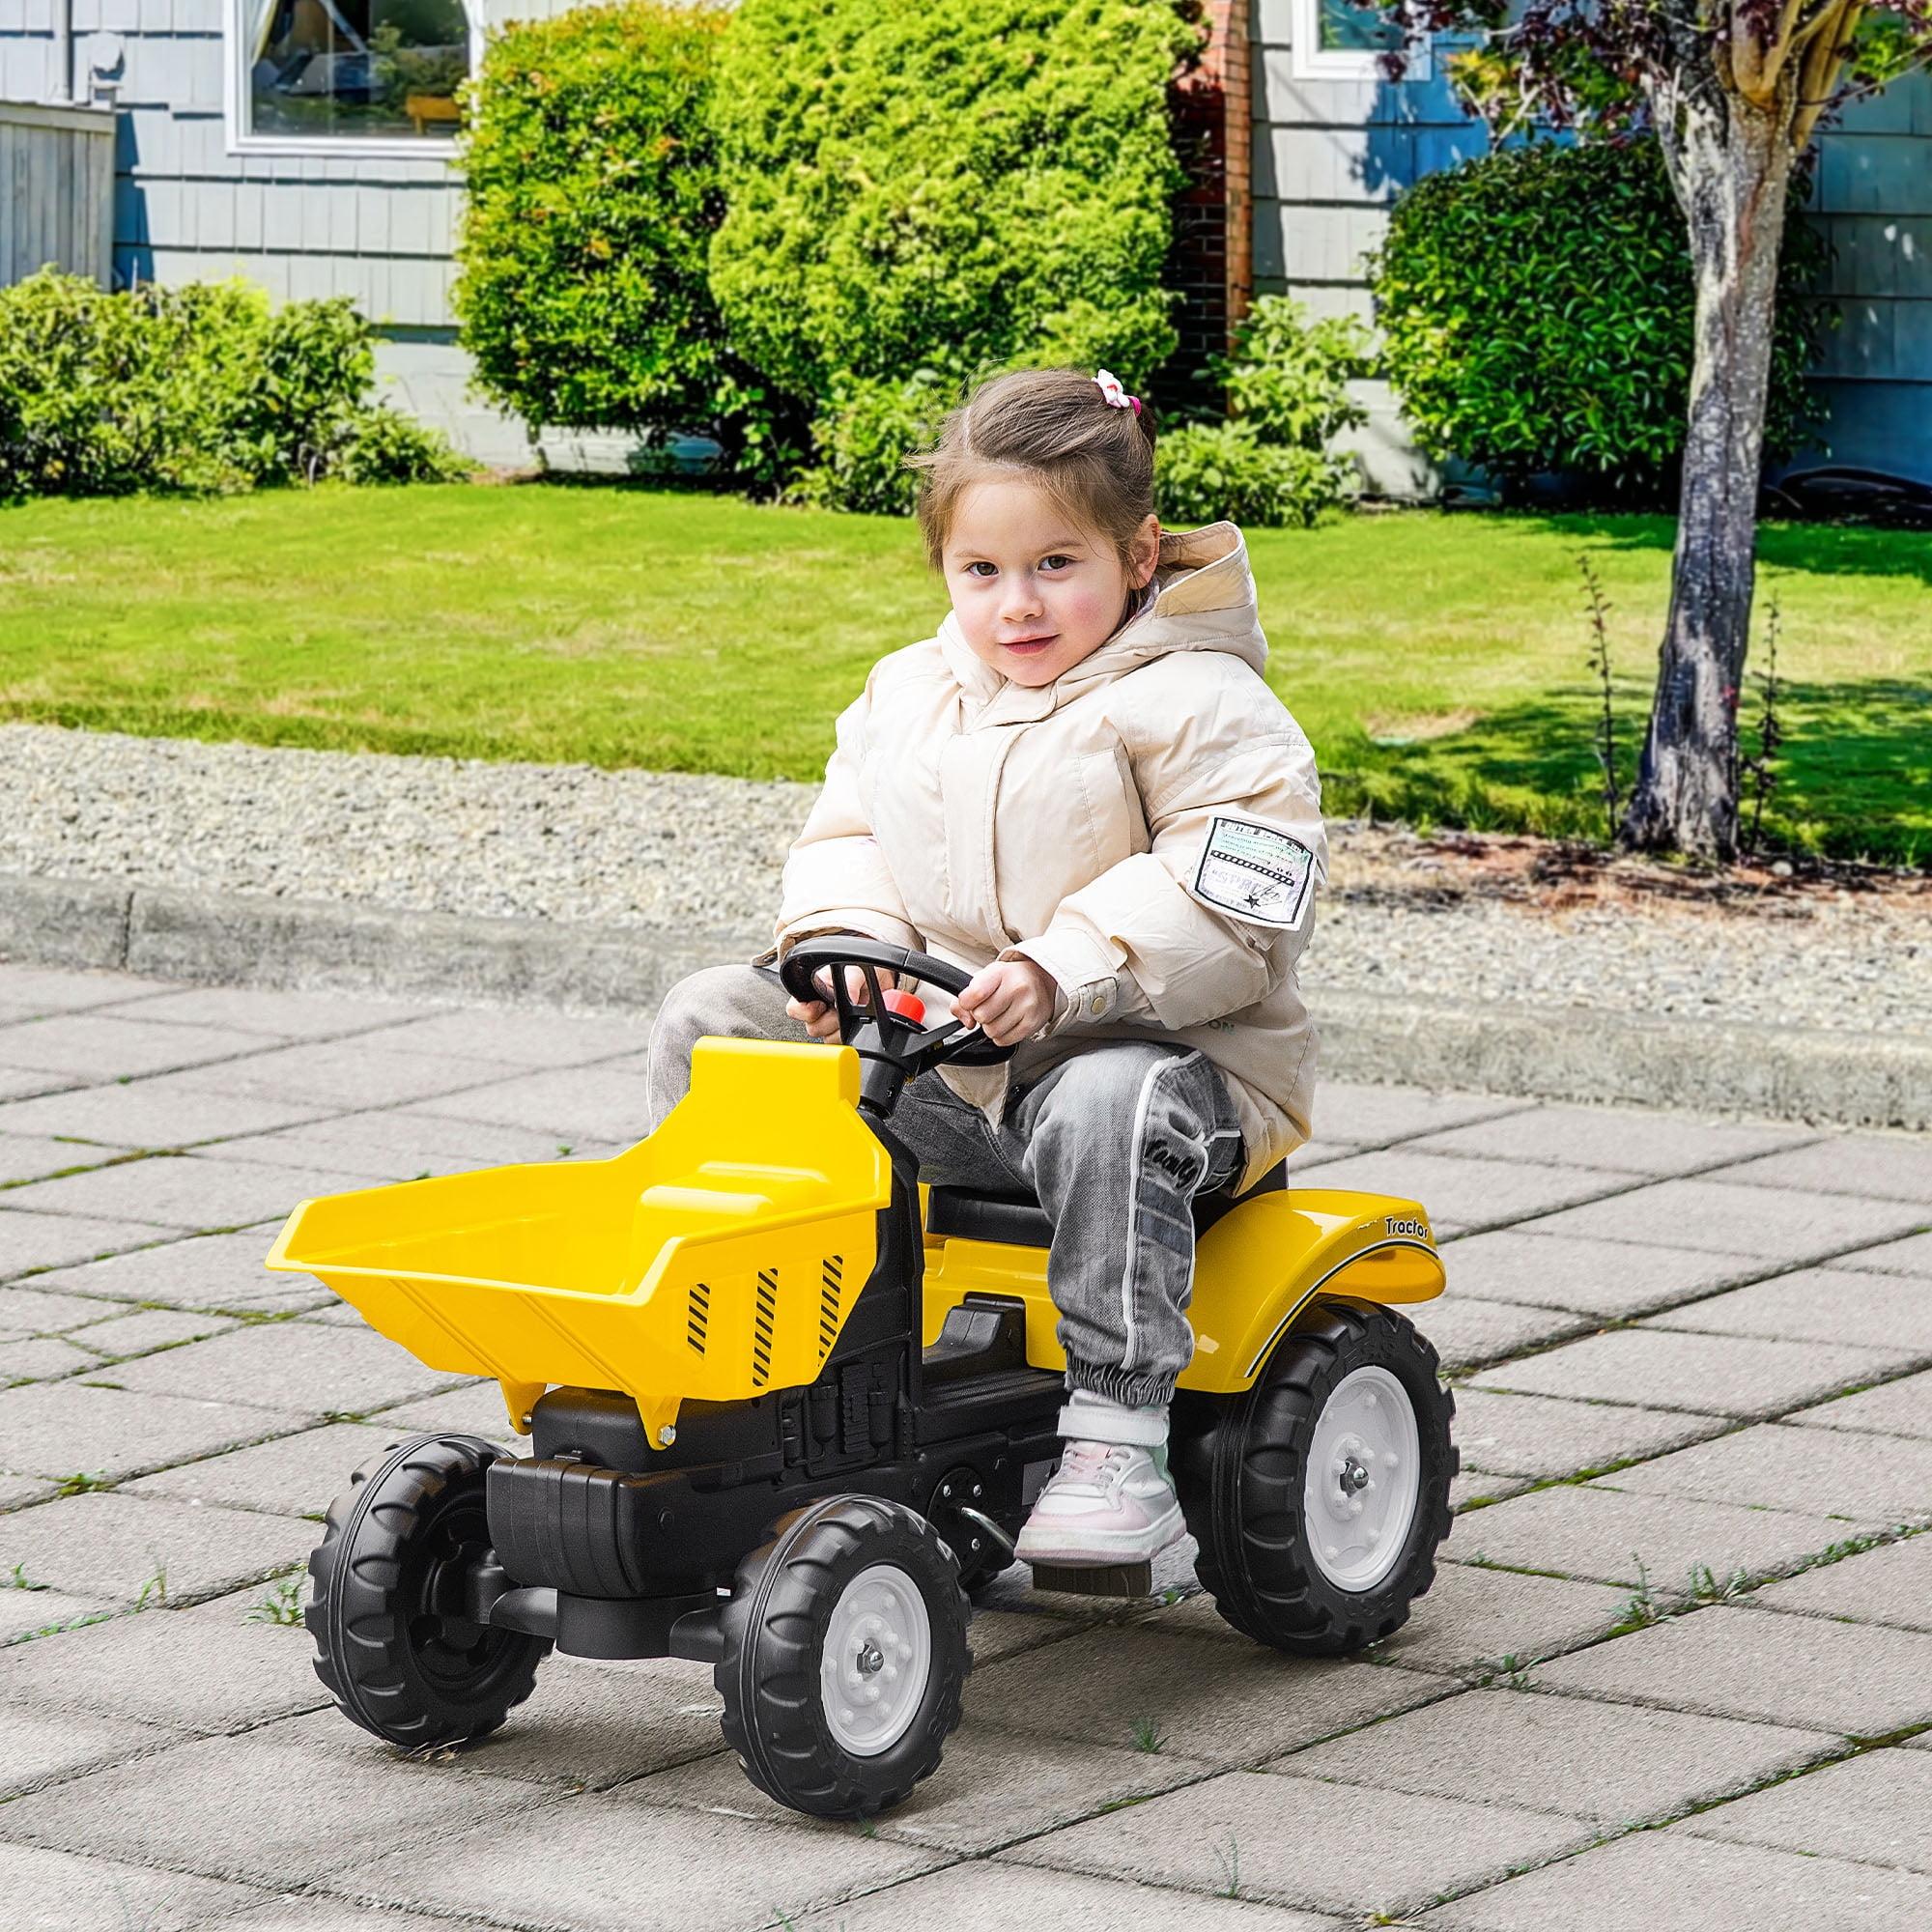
{"points": [[1204, 600]]}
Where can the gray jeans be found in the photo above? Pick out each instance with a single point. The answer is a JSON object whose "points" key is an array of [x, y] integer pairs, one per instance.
{"points": [[1113, 1141]]}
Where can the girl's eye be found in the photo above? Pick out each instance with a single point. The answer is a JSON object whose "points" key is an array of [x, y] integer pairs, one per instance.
{"points": [[1056, 557], [972, 569]]}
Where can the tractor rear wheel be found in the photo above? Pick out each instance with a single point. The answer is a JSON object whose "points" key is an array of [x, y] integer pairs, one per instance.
{"points": [[1319, 1495]]}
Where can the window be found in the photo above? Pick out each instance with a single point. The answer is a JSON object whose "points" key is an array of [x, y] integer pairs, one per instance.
{"points": [[1336, 40], [322, 75]]}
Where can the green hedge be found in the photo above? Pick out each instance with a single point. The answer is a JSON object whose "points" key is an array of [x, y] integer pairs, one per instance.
{"points": [[591, 200], [947, 184], [1537, 305], [196, 388]]}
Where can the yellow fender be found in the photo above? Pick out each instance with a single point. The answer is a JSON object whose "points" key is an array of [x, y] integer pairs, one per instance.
{"points": [[1255, 1269]]}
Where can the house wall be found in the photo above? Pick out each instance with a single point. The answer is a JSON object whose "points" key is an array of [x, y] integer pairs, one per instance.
{"points": [[1332, 156]]}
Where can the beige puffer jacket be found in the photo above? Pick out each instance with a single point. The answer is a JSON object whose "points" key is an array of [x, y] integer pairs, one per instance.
{"points": [[1147, 828]]}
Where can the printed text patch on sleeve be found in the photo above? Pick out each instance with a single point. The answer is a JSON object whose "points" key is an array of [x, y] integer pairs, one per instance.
{"points": [[1255, 874]]}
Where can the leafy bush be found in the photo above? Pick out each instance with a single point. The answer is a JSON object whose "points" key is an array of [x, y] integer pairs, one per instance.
{"points": [[1288, 378], [202, 388], [1205, 471], [946, 185], [591, 198], [862, 437], [382, 446], [1537, 307]]}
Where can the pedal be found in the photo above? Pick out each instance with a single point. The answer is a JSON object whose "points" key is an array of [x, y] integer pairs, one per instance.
{"points": [[1106, 1579]]}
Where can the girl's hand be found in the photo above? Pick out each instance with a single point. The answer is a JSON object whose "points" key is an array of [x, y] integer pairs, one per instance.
{"points": [[1011, 1000], [820, 1017]]}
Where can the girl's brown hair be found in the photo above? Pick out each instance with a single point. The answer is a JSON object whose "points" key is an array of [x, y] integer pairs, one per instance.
{"points": [[1093, 459]]}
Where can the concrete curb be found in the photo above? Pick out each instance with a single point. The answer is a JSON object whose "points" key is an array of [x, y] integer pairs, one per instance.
{"points": [[1556, 1053]]}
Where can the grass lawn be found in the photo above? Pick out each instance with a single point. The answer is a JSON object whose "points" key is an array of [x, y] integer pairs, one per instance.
{"points": [[1438, 661]]}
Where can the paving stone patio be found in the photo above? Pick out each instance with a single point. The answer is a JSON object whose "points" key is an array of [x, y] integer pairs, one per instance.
{"points": [[1694, 1371]]}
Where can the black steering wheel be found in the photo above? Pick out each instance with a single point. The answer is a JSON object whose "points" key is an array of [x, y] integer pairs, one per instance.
{"points": [[901, 1039]]}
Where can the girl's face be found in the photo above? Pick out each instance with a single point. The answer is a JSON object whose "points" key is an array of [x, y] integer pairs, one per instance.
{"points": [[1033, 593]]}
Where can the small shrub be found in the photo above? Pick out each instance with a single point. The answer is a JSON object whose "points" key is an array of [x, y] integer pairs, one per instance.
{"points": [[1205, 471], [1288, 377], [861, 438], [954, 184], [1536, 309], [592, 196], [380, 445]]}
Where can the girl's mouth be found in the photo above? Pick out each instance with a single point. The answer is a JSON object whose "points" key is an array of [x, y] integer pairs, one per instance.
{"points": [[1031, 647]]}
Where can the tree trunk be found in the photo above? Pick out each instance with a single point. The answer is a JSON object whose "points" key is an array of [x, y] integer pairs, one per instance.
{"points": [[1731, 164]]}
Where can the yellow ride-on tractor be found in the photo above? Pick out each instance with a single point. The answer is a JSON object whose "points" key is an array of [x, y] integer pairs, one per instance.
{"points": [[788, 1406]]}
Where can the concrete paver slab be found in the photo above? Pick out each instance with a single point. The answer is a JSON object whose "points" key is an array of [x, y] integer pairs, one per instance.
{"points": [[1890, 1167], [40, 1745], [56, 989], [29, 1308], [577, 1862], [35, 1156], [398, 1145], [55, 1892], [107, 1545], [345, 1074], [994, 1786], [31, 1242], [1727, 1217], [279, 1012], [42, 1358], [1618, 1138], [1670, 1882], [1616, 1764], [157, 1111], [123, 1336], [26, 1614], [589, 1102], [518, 1034], [1854, 1679], [254, 1806], [1891, 1585], [1603, 1278], [295, 1475], [1876, 1808], [190, 1191], [1465, 1192], [1911, 1256], [63, 1429], [983, 1897], [1538, 1435], [1302, 1842], [205, 1668], [1871, 1310], [1590, 1530], [1374, 1116], [1218, 1702], [307, 1913], [206, 1271], [1467, 1331], [297, 1367], [99, 1048], [1738, 1376], [17, 1083], [1820, 1470], [1901, 1408], [1473, 1617], [477, 1408]]}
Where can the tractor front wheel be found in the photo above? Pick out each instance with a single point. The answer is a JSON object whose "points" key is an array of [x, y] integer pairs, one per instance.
{"points": [[845, 1657], [390, 1605]]}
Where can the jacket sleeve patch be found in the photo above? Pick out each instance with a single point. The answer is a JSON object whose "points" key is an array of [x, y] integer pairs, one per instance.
{"points": [[1255, 874]]}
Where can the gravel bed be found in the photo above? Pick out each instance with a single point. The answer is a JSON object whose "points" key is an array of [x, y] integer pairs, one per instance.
{"points": [[571, 842]]}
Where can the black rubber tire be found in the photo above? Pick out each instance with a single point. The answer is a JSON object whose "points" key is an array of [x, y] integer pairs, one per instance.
{"points": [[1238, 1463], [395, 1665], [775, 1629]]}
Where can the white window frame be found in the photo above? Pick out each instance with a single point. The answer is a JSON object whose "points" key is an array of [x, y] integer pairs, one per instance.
{"points": [[1310, 60], [235, 68]]}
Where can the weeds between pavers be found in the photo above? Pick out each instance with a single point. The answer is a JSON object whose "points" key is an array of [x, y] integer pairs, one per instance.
{"points": [[1230, 1863], [1146, 1736], [282, 1605]]}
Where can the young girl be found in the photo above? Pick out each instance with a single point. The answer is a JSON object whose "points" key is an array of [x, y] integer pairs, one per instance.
{"points": [[1083, 791]]}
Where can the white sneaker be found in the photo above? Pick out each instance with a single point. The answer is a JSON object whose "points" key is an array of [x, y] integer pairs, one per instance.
{"points": [[1107, 1503]]}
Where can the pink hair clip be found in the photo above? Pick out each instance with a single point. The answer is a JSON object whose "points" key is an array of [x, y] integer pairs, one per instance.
{"points": [[1116, 396]]}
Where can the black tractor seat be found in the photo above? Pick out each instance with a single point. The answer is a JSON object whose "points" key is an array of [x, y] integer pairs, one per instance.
{"points": [[1018, 1219]]}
